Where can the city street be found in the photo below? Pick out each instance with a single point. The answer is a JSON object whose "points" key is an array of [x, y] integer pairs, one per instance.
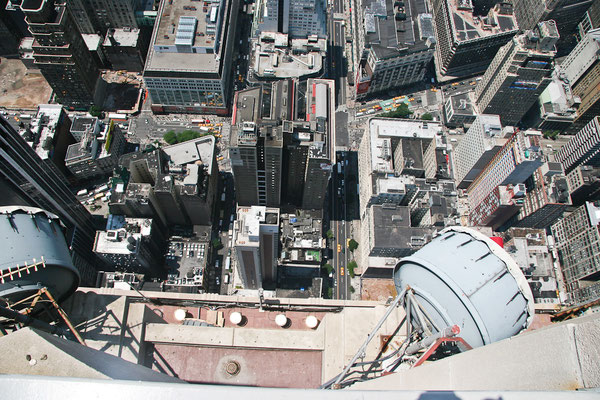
{"points": [[339, 227]]}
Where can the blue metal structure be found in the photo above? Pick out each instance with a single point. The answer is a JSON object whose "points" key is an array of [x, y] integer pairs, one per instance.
{"points": [[464, 278], [34, 255]]}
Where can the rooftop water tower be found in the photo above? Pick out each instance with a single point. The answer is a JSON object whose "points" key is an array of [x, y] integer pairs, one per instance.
{"points": [[464, 278], [34, 254]]}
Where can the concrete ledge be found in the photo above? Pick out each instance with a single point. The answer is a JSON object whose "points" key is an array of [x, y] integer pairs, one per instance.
{"points": [[235, 337]]}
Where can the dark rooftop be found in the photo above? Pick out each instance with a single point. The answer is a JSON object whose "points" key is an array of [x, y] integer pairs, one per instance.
{"points": [[392, 228], [392, 26]]}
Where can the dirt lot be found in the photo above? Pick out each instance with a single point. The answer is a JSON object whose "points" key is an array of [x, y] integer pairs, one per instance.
{"points": [[19, 88], [377, 289]]}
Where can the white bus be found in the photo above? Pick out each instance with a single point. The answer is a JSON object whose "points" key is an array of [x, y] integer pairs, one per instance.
{"points": [[228, 263]]}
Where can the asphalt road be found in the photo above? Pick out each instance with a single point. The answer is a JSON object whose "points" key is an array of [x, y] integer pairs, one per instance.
{"points": [[339, 226]]}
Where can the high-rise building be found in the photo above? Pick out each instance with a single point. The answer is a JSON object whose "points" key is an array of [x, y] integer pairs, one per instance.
{"points": [[256, 148], [476, 148], [97, 153], [390, 153], [459, 110], [126, 49], [466, 43], [96, 16], [519, 73], [188, 68], [577, 238], [556, 108], [386, 233], [590, 20], [297, 18], [513, 164], [132, 245], [48, 134], [28, 180], [584, 184], [61, 53], [582, 69], [566, 13], [10, 30], [396, 45], [256, 244], [277, 158], [582, 149], [176, 184]]}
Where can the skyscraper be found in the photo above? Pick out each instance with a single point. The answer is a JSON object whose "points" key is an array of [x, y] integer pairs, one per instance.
{"points": [[275, 157], [256, 243], [566, 13], [583, 148], [28, 180], [582, 69], [188, 68], [477, 147], [466, 43], [513, 164], [391, 54], [577, 238], [60, 52], [297, 18], [518, 74]]}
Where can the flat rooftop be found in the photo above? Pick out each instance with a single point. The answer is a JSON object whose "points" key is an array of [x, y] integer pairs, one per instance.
{"points": [[467, 27], [82, 124], [192, 151], [188, 36], [462, 105], [391, 225], [387, 35], [44, 124], [383, 130]]}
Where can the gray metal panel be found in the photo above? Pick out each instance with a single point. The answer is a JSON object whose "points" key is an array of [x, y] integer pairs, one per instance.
{"points": [[29, 234], [462, 277]]}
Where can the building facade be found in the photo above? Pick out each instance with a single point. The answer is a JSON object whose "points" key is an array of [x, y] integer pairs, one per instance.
{"points": [[188, 68], [29, 180], [519, 74], [132, 245], [476, 148], [577, 239], [518, 159], [583, 148], [61, 53], [97, 153], [582, 69], [256, 244], [467, 43], [566, 13], [396, 45]]}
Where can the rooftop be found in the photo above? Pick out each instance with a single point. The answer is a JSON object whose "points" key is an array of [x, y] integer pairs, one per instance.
{"points": [[467, 27], [393, 26], [276, 56], [192, 151], [83, 124], [249, 220], [123, 239], [382, 132], [43, 127], [462, 104], [123, 37], [188, 36], [391, 225]]}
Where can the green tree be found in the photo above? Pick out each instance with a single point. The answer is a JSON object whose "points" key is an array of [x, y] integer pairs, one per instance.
{"points": [[551, 134], [329, 234], [95, 111], [328, 268], [187, 135], [216, 242], [427, 117], [170, 137], [352, 244], [352, 290], [401, 112], [351, 266], [330, 293]]}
